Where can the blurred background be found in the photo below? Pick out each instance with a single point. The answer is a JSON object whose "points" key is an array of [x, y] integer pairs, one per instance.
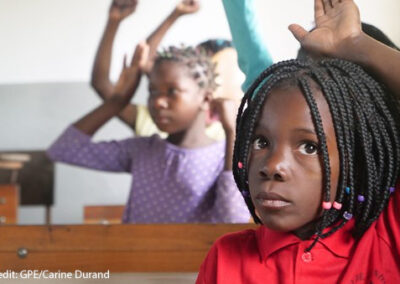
{"points": [[46, 55]]}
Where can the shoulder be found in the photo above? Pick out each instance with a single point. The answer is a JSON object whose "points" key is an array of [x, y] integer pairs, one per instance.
{"points": [[150, 143], [227, 255], [246, 235], [238, 243], [148, 140], [388, 223]]}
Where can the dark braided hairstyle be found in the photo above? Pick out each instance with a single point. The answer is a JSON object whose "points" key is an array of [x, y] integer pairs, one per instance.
{"points": [[213, 46], [198, 63], [366, 122]]}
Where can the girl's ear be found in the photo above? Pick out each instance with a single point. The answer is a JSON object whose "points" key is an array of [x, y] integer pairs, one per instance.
{"points": [[206, 104]]}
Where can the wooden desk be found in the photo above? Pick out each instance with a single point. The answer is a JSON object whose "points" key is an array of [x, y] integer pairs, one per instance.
{"points": [[118, 248], [9, 201], [103, 214]]}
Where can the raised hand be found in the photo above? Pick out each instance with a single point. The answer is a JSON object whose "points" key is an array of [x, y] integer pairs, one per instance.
{"points": [[336, 23], [226, 109], [120, 9], [130, 74], [187, 7]]}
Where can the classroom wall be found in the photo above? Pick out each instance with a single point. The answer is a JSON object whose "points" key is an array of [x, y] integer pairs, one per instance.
{"points": [[46, 53]]}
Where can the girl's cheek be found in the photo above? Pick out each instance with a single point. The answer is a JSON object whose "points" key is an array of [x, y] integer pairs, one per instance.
{"points": [[251, 166], [250, 160], [310, 163], [256, 159]]}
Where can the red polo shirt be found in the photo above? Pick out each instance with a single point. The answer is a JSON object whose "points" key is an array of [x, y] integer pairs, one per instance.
{"points": [[266, 256]]}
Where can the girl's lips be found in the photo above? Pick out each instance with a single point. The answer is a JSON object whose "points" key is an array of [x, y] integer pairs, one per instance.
{"points": [[271, 200], [273, 204], [161, 119]]}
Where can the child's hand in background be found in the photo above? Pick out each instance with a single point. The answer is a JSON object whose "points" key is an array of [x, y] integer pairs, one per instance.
{"points": [[120, 9], [226, 109], [337, 23], [130, 74], [187, 7]]}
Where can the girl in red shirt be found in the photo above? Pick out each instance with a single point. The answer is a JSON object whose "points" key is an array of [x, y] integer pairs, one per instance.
{"points": [[317, 159]]}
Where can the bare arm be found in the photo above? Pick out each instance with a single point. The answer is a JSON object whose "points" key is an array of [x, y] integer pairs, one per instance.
{"points": [[101, 68], [338, 34], [100, 80], [183, 8], [379, 59], [253, 55], [121, 96], [227, 111]]}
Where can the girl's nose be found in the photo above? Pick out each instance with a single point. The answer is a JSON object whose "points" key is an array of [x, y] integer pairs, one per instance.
{"points": [[275, 166], [160, 102]]}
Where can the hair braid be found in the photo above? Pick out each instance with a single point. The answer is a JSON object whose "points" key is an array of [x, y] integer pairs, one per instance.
{"points": [[366, 120]]}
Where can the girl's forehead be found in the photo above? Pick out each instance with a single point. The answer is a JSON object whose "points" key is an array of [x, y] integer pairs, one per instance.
{"points": [[284, 106], [166, 65], [291, 95], [287, 107], [169, 70]]}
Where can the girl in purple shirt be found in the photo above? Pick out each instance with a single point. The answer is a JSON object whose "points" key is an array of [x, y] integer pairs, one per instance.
{"points": [[185, 178]]}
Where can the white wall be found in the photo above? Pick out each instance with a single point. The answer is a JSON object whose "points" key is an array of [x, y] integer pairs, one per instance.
{"points": [[46, 52], [55, 40], [32, 116]]}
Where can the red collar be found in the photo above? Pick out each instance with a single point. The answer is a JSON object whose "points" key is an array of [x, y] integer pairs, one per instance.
{"points": [[340, 243]]}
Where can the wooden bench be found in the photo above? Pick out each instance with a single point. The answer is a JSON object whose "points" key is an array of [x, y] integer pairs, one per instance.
{"points": [[9, 200], [118, 248], [103, 214]]}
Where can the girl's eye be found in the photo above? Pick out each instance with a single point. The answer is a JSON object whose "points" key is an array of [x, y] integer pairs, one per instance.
{"points": [[309, 148], [260, 143], [172, 92], [153, 93]]}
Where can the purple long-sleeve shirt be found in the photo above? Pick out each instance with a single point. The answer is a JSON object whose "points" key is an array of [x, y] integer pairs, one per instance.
{"points": [[170, 184]]}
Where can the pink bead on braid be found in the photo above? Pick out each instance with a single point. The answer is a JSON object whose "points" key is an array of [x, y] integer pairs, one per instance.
{"points": [[337, 205], [326, 205]]}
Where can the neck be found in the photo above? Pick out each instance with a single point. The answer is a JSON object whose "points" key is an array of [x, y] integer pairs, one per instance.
{"points": [[307, 231], [192, 137]]}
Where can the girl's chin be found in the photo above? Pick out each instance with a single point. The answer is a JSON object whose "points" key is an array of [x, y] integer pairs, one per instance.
{"points": [[164, 128], [277, 227], [280, 225]]}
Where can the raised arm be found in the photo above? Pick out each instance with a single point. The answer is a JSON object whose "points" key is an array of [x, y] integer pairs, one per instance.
{"points": [[226, 109], [119, 10], [121, 94], [338, 34], [253, 55], [183, 8], [75, 147]]}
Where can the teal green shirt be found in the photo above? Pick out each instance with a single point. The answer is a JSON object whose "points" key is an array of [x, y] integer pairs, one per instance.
{"points": [[253, 55]]}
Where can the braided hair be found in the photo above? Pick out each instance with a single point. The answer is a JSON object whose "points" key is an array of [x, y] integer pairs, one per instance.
{"points": [[366, 123], [213, 46], [196, 60]]}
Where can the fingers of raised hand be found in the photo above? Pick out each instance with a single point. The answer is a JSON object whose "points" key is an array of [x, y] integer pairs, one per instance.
{"points": [[125, 3], [327, 5], [334, 3], [124, 65], [298, 32], [318, 9], [141, 55], [189, 6], [221, 105], [125, 6]]}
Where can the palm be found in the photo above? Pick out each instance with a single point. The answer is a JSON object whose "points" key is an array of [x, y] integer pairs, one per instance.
{"points": [[333, 26], [129, 77], [226, 109]]}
